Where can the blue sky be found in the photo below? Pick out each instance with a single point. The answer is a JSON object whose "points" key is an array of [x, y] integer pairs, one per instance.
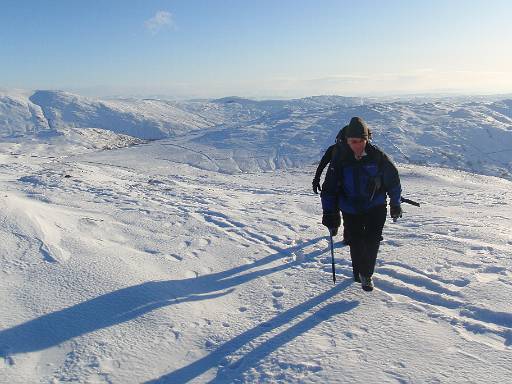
{"points": [[256, 48]]}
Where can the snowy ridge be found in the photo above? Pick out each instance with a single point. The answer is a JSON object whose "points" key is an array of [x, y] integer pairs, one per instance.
{"points": [[144, 119], [235, 135], [18, 116]]}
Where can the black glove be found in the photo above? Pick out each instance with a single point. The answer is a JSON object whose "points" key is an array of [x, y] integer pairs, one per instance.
{"points": [[395, 211], [316, 185], [332, 220]]}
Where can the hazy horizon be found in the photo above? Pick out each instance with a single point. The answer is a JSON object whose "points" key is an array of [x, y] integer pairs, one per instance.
{"points": [[286, 49], [169, 96]]}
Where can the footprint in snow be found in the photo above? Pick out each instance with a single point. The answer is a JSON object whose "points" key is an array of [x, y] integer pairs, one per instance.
{"points": [[465, 265], [191, 274], [4, 352], [485, 277], [201, 243], [393, 243], [176, 334], [175, 257], [495, 269]]}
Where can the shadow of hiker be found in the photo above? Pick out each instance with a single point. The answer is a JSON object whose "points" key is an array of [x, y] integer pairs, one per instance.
{"points": [[219, 357], [128, 303]]}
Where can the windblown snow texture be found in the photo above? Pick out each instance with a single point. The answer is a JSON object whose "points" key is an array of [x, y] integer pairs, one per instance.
{"points": [[145, 264]]}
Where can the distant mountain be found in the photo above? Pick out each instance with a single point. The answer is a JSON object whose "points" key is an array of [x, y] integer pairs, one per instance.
{"points": [[146, 119], [471, 136], [251, 135], [307, 102]]}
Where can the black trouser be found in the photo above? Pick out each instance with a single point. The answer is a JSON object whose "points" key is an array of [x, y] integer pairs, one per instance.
{"points": [[365, 233]]}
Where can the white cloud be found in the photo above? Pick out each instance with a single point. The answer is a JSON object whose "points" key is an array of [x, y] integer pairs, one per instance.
{"points": [[161, 20]]}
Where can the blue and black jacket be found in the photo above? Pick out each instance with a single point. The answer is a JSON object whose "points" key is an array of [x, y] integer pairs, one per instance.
{"points": [[356, 186]]}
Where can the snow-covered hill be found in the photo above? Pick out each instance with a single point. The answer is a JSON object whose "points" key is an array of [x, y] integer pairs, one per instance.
{"points": [[240, 135], [125, 266]]}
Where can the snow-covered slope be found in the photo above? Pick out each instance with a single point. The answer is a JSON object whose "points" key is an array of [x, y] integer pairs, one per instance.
{"points": [[18, 116], [125, 266], [146, 119], [240, 135]]}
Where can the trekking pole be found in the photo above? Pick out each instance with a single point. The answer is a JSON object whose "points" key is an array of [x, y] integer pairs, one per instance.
{"points": [[409, 201], [332, 258]]}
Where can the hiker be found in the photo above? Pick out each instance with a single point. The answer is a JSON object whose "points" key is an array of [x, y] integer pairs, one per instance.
{"points": [[356, 183]]}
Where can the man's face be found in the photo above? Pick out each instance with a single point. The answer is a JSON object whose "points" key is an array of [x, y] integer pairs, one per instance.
{"points": [[357, 145]]}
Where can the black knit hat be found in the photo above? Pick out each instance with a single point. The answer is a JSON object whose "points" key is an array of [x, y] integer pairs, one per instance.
{"points": [[357, 128]]}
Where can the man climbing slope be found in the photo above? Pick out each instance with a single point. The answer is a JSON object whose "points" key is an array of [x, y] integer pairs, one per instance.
{"points": [[356, 183]]}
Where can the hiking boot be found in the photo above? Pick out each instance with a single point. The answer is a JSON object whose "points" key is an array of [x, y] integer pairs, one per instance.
{"points": [[366, 283]]}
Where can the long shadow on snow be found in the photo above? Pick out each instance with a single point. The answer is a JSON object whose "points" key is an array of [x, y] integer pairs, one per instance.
{"points": [[128, 303], [229, 372]]}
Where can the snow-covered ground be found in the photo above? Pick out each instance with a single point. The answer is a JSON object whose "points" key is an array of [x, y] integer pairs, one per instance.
{"points": [[131, 266]]}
